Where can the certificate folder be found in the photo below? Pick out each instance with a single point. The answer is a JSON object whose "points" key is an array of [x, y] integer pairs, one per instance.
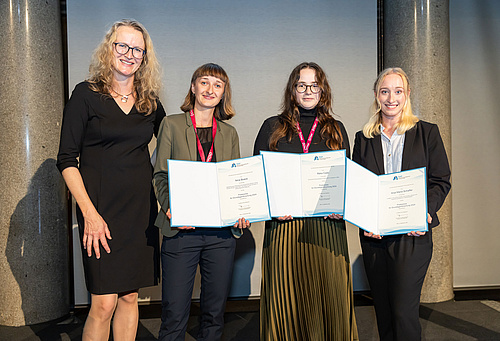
{"points": [[386, 204], [217, 194], [305, 185]]}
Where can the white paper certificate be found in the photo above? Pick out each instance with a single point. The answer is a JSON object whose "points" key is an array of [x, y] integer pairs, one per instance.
{"points": [[217, 194], [386, 204], [305, 185]]}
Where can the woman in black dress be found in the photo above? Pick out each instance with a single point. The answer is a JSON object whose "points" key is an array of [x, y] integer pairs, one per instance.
{"points": [[394, 140], [104, 159], [306, 275]]}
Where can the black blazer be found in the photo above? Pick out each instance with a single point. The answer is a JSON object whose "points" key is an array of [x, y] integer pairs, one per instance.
{"points": [[423, 147]]}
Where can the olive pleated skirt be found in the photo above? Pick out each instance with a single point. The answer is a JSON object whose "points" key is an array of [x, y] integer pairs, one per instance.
{"points": [[306, 282]]}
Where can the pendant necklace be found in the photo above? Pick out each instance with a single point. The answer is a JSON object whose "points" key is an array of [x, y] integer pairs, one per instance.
{"points": [[124, 98]]}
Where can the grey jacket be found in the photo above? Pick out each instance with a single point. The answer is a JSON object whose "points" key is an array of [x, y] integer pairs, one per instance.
{"points": [[177, 140]]}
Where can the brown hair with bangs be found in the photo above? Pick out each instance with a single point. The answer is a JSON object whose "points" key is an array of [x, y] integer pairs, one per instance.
{"points": [[286, 126], [224, 110]]}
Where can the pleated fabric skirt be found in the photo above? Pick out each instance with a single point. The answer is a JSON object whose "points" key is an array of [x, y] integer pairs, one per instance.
{"points": [[306, 282]]}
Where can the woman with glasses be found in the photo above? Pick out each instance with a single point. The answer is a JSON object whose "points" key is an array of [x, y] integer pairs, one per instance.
{"points": [[198, 134], [104, 159], [306, 276]]}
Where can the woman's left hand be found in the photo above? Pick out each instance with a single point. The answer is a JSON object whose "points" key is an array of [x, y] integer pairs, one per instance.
{"points": [[242, 223], [416, 233], [420, 233], [334, 216]]}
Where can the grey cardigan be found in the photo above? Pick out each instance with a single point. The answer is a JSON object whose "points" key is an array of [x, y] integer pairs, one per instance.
{"points": [[177, 140]]}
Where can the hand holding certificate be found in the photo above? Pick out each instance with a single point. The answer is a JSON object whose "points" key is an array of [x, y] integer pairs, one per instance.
{"points": [[386, 204], [217, 194], [305, 185]]}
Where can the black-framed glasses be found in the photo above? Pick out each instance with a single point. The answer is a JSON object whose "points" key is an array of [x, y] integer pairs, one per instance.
{"points": [[302, 87], [122, 48]]}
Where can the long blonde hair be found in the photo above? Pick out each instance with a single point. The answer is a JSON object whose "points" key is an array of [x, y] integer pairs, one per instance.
{"points": [[147, 80], [407, 120]]}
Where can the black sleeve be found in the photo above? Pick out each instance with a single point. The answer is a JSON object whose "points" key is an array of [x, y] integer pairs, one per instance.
{"points": [[160, 114], [74, 125], [345, 140], [262, 140], [356, 153], [438, 182]]}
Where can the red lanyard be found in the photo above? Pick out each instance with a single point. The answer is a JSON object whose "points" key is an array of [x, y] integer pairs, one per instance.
{"points": [[200, 148], [305, 146]]}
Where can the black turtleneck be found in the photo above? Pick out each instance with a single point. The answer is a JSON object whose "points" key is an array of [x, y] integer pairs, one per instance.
{"points": [[306, 121], [308, 112]]}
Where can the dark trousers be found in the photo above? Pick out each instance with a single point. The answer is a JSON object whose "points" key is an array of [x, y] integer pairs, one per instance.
{"points": [[396, 268], [213, 250]]}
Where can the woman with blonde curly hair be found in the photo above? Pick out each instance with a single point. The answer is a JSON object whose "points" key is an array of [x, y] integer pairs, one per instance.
{"points": [[104, 159]]}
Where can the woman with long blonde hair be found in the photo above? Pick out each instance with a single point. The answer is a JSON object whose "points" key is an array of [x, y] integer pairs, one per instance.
{"points": [[104, 159], [394, 140]]}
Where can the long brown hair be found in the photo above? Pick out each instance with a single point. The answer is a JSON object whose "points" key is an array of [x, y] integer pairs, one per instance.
{"points": [[286, 126], [147, 79], [224, 110]]}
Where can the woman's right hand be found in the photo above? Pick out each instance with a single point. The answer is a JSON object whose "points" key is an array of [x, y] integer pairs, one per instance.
{"points": [[95, 231], [371, 235], [169, 216], [95, 228]]}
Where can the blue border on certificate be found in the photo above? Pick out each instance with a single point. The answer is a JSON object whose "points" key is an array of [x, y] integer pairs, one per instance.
{"points": [[319, 214], [403, 230], [230, 224]]}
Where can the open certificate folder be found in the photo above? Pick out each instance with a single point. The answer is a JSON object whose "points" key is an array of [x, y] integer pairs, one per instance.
{"points": [[386, 204], [305, 185], [217, 194]]}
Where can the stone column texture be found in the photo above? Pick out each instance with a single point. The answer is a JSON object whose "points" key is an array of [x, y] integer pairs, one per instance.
{"points": [[417, 39], [34, 273]]}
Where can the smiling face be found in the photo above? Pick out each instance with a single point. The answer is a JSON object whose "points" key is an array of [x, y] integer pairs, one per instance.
{"points": [[125, 65], [208, 92], [391, 96], [308, 99]]}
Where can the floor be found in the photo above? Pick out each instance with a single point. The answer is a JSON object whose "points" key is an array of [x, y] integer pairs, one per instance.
{"points": [[471, 316]]}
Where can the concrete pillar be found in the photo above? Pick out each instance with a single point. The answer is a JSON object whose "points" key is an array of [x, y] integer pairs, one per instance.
{"points": [[417, 39], [33, 206]]}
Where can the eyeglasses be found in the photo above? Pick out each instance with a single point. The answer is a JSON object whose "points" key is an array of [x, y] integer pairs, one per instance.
{"points": [[302, 87], [122, 48]]}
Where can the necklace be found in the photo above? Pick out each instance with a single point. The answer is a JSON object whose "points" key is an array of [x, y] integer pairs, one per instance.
{"points": [[124, 98]]}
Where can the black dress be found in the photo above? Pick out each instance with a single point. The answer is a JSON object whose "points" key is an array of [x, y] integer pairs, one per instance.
{"points": [[114, 162], [306, 276]]}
